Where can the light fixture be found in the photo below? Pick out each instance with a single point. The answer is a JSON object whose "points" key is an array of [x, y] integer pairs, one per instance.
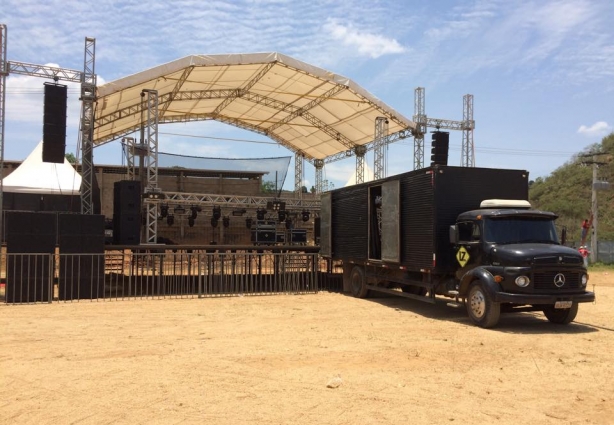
{"points": [[213, 222], [248, 222], [191, 221], [179, 210], [195, 210], [170, 220], [217, 213], [163, 211], [281, 215], [226, 221], [260, 213], [305, 215]]}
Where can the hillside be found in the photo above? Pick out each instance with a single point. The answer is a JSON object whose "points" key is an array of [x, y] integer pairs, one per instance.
{"points": [[567, 192]]}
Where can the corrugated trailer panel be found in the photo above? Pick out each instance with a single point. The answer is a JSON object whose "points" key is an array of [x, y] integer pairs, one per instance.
{"points": [[349, 222], [417, 241], [460, 189]]}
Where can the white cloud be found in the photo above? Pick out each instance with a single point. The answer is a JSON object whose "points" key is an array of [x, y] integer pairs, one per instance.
{"points": [[600, 128], [368, 44]]}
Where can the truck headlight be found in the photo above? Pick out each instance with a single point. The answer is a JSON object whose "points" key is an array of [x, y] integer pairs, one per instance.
{"points": [[522, 281], [584, 280]]}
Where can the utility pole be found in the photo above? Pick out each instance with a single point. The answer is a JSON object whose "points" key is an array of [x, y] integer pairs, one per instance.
{"points": [[595, 186]]}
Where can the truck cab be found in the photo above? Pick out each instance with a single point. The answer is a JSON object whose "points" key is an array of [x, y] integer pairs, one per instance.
{"points": [[509, 258]]}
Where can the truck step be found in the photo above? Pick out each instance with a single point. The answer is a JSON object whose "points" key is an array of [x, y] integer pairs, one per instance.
{"points": [[454, 305], [453, 293]]}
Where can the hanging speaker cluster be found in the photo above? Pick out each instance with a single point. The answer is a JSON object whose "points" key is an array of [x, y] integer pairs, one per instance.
{"points": [[440, 143], [54, 123]]}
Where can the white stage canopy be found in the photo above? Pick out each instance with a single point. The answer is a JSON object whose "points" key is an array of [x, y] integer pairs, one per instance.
{"points": [[305, 108]]}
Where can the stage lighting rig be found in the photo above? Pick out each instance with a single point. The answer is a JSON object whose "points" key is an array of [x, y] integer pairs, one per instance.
{"points": [[226, 221], [213, 222], [288, 223], [305, 215], [163, 211], [179, 210], [191, 221], [260, 214], [170, 220], [281, 215]]}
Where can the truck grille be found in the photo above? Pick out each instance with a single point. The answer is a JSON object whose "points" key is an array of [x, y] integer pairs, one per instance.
{"points": [[546, 280]]}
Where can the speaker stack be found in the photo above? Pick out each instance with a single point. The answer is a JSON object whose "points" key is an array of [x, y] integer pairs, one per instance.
{"points": [[127, 212], [30, 238], [82, 275], [54, 123]]}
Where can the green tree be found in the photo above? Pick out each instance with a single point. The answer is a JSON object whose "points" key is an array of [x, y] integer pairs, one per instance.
{"points": [[71, 158], [267, 187]]}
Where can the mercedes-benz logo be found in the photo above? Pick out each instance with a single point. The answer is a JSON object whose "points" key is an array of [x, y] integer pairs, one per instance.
{"points": [[559, 280]]}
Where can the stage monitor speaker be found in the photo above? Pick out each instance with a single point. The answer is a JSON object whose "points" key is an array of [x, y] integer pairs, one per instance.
{"points": [[126, 197], [54, 123]]}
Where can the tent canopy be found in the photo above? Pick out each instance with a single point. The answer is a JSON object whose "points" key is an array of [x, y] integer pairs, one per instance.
{"points": [[45, 178], [305, 108]]}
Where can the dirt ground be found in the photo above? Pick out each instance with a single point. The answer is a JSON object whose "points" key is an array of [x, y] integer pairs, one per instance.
{"points": [[270, 359]]}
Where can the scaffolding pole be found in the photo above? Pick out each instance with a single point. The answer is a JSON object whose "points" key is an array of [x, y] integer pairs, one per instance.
{"points": [[299, 161], [88, 98], [420, 120], [319, 165], [152, 194], [360, 152], [468, 153], [380, 148]]}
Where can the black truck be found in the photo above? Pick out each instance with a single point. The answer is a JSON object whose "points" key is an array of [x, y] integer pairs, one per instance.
{"points": [[465, 233]]}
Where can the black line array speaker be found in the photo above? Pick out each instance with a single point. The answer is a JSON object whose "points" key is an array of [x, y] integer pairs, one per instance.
{"points": [[127, 212], [440, 143], [54, 123], [30, 238]]}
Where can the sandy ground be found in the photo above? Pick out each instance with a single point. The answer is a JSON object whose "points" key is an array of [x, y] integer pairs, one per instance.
{"points": [[268, 360]]}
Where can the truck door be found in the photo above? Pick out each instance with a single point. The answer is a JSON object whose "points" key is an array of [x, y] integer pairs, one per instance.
{"points": [[469, 248]]}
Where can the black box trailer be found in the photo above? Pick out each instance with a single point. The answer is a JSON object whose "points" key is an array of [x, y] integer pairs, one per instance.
{"points": [[402, 232]]}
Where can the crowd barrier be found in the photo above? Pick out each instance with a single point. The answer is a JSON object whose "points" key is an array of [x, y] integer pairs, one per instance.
{"points": [[136, 274]]}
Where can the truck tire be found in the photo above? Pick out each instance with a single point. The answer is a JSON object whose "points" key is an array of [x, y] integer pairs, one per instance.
{"points": [[561, 316], [481, 309], [358, 282]]}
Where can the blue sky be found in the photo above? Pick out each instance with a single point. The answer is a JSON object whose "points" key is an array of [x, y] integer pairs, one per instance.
{"points": [[541, 72]]}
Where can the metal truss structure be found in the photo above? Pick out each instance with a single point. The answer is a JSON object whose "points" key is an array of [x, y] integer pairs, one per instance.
{"points": [[467, 126], [3, 74], [150, 142], [420, 120], [299, 175], [468, 152], [380, 148], [360, 164], [233, 201], [319, 165], [88, 97], [87, 79]]}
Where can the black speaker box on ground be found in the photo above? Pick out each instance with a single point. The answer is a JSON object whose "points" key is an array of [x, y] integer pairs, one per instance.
{"points": [[54, 123]]}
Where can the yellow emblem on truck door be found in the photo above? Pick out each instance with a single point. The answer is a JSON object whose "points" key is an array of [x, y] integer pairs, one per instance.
{"points": [[462, 256]]}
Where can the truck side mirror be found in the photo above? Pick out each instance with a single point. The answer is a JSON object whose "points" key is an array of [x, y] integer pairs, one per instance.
{"points": [[453, 234], [563, 235]]}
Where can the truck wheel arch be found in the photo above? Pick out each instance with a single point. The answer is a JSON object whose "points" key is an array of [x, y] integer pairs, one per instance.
{"points": [[483, 276]]}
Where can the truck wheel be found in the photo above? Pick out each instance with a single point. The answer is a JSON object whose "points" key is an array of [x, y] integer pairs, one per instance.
{"points": [[358, 282], [561, 316], [481, 309]]}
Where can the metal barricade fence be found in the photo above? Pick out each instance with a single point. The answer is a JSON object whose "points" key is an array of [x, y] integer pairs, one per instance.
{"points": [[33, 278]]}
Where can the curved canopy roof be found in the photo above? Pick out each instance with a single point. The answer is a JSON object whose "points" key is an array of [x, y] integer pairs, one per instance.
{"points": [[305, 108]]}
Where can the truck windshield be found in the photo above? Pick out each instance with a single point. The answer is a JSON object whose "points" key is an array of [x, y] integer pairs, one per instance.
{"points": [[507, 230]]}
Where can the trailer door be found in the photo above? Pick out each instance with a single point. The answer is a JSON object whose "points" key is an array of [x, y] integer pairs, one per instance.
{"points": [[391, 235]]}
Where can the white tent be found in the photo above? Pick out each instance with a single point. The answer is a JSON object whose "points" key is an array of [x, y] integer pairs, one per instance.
{"points": [[45, 178], [368, 176]]}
